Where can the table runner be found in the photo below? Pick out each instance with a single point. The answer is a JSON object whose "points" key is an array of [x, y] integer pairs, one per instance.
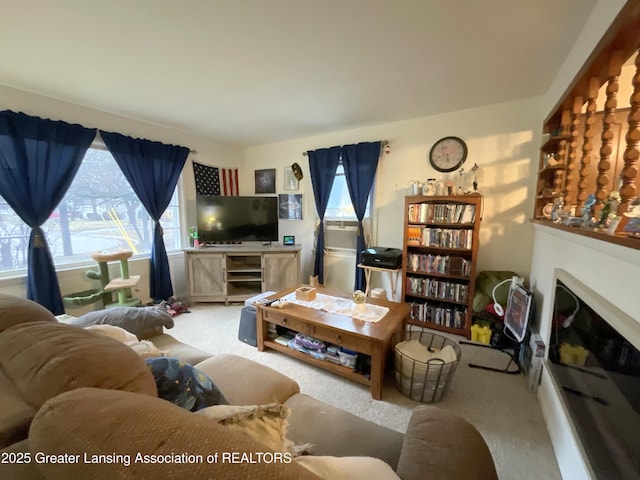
{"points": [[341, 306]]}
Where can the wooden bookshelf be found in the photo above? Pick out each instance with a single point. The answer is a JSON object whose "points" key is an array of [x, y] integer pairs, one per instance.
{"points": [[440, 249]]}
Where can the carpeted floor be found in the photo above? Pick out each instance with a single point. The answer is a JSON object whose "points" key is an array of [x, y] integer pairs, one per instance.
{"points": [[499, 405]]}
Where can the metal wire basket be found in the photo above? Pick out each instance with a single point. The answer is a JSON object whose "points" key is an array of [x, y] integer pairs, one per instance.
{"points": [[424, 382]]}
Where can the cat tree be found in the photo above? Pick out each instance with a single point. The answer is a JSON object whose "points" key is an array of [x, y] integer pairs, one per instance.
{"points": [[120, 285]]}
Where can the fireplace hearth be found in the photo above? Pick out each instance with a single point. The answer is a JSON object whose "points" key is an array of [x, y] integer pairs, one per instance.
{"points": [[594, 362]]}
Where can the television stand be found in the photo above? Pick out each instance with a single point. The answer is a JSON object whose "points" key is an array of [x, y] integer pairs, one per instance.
{"points": [[515, 352], [233, 273]]}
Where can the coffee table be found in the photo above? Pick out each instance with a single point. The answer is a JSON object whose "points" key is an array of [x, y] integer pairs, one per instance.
{"points": [[371, 338]]}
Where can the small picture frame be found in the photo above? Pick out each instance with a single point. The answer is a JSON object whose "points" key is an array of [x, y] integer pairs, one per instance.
{"points": [[290, 206], [290, 180], [288, 240], [265, 180]]}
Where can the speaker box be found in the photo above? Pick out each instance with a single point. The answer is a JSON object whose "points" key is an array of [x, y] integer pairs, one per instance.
{"points": [[247, 329]]}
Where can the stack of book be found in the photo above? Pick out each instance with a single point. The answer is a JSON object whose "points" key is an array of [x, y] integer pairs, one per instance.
{"points": [[441, 264], [442, 213]]}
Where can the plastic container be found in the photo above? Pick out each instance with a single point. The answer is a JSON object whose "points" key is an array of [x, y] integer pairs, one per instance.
{"points": [[481, 334], [573, 354], [347, 358], [424, 382]]}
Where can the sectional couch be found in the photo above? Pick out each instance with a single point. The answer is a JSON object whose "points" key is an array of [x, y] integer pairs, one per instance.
{"points": [[76, 404]]}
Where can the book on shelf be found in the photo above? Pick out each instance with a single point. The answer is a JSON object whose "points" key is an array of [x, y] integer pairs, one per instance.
{"points": [[440, 237], [441, 212], [469, 214], [447, 238], [414, 236], [284, 339], [440, 264], [449, 316], [437, 289]]}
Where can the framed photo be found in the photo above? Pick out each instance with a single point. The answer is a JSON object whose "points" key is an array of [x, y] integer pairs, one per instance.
{"points": [[266, 180], [290, 180], [290, 206]]}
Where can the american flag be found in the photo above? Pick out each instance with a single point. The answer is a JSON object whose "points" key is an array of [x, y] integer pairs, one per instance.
{"points": [[214, 180]]}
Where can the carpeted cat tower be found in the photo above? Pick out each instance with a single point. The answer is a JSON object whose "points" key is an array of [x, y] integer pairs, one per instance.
{"points": [[121, 285]]}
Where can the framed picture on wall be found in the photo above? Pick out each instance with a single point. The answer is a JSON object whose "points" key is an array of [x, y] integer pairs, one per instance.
{"points": [[290, 206], [290, 180], [266, 180]]}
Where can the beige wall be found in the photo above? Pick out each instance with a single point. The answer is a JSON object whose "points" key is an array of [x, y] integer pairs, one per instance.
{"points": [[502, 139]]}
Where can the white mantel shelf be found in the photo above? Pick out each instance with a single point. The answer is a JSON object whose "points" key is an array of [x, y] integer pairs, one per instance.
{"points": [[617, 239], [623, 248]]}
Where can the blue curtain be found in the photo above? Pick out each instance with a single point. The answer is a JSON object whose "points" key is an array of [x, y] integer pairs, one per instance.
{"points": [[323, 164], [360, 163], [38, 160], [152, 169]]}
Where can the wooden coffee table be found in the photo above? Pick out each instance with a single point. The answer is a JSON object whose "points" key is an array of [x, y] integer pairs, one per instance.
{"points": [[371, 338]]}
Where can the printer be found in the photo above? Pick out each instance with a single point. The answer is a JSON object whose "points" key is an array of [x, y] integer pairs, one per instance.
{"points": [[382, 257]]}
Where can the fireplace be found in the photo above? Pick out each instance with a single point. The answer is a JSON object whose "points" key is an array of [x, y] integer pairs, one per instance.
{"points": [[594, 364]]}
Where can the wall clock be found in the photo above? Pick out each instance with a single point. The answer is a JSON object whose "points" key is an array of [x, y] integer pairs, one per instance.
{"points": [[448, 154]]}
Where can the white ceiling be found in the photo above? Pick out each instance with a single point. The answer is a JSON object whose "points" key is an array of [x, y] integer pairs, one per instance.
{"points": [[259, 71]]}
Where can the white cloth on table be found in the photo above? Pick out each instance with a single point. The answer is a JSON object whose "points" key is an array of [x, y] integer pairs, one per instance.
{"points": [[341, 306]]}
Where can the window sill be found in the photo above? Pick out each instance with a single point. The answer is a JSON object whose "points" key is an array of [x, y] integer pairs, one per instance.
{"points": [[616, 239], [17, 277]]}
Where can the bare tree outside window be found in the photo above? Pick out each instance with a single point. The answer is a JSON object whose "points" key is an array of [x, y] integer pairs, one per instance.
{"points": [[99, 212]]}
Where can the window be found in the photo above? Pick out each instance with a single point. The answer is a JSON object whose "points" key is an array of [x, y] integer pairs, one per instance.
{"points": [[99, 212], [341, 223], [339, 206]]}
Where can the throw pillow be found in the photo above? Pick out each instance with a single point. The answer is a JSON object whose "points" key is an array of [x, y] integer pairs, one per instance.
{"points": [[144, 348], [265, 423], [182, 384], [347, 468], [143, 322]]}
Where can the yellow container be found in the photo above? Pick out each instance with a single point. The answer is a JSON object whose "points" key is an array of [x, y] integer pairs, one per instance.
{"points": [[573, 354], [481, 334]]}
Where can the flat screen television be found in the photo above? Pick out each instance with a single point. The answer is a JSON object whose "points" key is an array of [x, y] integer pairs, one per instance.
{"points": [[224, 219]]}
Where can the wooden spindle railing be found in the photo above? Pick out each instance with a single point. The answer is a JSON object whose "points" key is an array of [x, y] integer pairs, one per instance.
{"points": [[570, 191], [565, 127], [631, 152], [610, 105], [587, 143], [596, 151]]}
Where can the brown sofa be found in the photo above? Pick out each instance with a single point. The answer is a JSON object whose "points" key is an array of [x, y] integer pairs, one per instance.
{"points": [[70, 396]]}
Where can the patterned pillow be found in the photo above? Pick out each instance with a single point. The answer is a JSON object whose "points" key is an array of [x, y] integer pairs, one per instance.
{"points": [[184, 385]]}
